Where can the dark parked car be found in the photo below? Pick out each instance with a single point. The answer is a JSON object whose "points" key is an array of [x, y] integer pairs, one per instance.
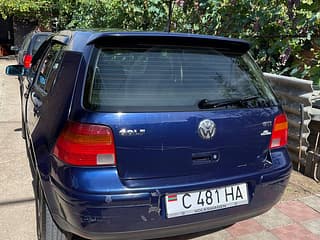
{"points": [[29, 47], [137, 135]]}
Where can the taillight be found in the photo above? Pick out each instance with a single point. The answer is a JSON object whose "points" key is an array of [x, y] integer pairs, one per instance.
{"points": [[27, 61], [279, 137], [85, 145]]}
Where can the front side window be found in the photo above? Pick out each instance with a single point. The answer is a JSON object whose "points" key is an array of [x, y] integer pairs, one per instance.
{"points": [[168, 79]]}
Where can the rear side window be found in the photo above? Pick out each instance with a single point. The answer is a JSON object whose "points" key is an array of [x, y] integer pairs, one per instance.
{"points": [[169, 79]]}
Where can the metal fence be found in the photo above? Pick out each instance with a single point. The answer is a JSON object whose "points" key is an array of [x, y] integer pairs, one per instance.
{"points": [[296, 97]]}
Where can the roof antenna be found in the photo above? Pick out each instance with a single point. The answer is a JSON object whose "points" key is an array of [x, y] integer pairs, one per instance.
{"points": [[170, 6]]}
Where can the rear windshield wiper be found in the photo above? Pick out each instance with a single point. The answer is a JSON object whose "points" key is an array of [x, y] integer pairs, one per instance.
{"points": [[205, 103]]}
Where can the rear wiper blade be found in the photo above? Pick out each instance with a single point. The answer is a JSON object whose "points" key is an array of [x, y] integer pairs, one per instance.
{"points": [[205, 103]]}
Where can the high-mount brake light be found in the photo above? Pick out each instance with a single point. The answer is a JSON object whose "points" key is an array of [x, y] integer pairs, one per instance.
{"points": [[85, 145], [279, 137], [27, 61]]}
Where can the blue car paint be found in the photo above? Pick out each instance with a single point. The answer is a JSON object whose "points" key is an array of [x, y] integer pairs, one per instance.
{"points": [[104, 202], [171, 138]]}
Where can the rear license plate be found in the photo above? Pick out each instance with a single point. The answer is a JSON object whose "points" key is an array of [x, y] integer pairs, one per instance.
{"points": [[181, 204]]}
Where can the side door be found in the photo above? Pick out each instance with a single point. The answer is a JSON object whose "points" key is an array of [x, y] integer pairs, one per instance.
{"points": [[45, 74], [27, 82]]}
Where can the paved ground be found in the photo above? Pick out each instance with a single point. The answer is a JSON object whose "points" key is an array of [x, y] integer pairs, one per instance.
{"points": [[296, 217], [17, 217]]}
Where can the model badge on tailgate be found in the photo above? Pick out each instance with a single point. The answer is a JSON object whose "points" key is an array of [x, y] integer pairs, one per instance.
{"points": [[132, 132]]}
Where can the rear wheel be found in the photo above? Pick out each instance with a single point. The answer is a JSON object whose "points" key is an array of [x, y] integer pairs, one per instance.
{"points": [[21, 103], [46, 227], [23, 129]]}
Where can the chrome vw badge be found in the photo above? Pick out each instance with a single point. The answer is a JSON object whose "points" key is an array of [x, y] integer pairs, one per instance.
{"points": [[206, 129]]}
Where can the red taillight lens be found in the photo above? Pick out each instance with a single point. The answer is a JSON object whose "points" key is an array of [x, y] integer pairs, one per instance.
{"points": [[85, 145], [279, 137], [27, 61]]}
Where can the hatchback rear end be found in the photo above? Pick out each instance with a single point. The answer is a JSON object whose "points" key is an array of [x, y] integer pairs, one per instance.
{"points": [[167, 134]]}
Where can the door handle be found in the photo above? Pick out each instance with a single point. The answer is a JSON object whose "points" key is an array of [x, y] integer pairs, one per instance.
{"points": [[205, 158]]}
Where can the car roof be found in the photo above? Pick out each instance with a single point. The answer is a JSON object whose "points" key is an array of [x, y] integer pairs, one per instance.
{"points": [[34, 34], [42, 33]]}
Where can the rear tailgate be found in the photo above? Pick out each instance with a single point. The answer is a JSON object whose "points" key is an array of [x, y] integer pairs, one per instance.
{"points": [[158, 145]]}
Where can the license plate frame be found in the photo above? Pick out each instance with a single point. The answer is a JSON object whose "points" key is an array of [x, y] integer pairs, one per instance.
{"points": [[206, 200]]}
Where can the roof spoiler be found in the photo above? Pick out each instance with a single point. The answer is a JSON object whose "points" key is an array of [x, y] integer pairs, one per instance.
{"points": [[144, 38]]}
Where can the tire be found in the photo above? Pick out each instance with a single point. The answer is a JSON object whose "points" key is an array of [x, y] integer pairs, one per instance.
{"points": [[23, 129], [46, 227], [32, 166]]}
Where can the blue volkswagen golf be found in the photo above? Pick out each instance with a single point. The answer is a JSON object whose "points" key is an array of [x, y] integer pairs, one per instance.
{"points": [[139, 135]]}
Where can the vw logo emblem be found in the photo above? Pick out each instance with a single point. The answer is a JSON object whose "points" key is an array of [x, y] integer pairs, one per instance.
{"points": [[206, 129]]}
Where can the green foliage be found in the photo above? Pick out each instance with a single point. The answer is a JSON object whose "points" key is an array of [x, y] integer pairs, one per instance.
{"points": [[284, 33], [24, 8], [123, 14]]}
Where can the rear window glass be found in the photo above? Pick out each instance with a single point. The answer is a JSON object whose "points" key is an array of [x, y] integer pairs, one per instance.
{"points": [[26, 43], [38, 40], [169, 79]]}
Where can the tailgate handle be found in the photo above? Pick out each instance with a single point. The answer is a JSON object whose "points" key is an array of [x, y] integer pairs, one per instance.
{"points": [[205, 157]]}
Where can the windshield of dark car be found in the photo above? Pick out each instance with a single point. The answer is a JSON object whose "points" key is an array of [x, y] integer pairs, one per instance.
{"points": [[164, 78]]}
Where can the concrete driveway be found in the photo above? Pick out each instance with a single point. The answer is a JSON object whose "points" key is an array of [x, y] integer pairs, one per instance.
{"points": [[17, 209], [297, 216]]}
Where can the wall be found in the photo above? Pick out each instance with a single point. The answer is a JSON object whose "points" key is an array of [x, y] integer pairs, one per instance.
{"points": [[296, 96]]}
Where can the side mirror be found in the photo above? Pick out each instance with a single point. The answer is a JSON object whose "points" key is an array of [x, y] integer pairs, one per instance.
{"points": [[14, 48], [15, 70]]}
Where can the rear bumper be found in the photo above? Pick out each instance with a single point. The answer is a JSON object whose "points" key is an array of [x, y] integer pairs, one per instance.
{"points": [[140, 213]]}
